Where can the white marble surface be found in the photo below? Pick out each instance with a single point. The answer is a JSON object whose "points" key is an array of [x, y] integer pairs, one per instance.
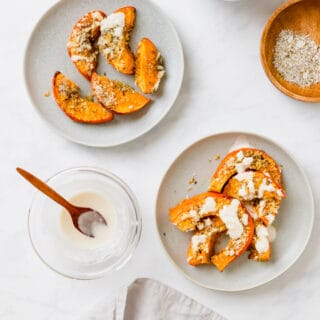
{"points": [[224, 89]]}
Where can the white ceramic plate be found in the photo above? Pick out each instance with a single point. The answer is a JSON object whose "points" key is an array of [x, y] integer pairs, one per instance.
{"points": [[47, 52], [293, 224]]}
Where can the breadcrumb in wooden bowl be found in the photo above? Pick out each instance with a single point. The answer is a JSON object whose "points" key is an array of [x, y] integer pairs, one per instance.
{"points": [[288, 40]]}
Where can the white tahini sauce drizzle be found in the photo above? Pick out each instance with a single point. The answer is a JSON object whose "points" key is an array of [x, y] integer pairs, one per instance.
{"points": [[262, 244], [251, 211], [197, 240], [229, 215], [245, 219], [244, 164], [193, 214], [247, 189], [114, 25], [208, 206], [243, 176], [265, 186], [262, 205], [114, 20], [270, 217]]}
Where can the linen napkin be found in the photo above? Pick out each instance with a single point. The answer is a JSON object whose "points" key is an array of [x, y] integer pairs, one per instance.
{"points": [[147, 299]]}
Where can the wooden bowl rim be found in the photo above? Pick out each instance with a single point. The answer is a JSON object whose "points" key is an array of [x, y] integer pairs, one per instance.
{"points": [[263, 55]]}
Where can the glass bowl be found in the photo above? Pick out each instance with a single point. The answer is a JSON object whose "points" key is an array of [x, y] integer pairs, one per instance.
{"points": [[50, 241]]}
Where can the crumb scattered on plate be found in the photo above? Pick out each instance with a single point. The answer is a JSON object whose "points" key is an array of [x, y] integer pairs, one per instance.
{"points": [[193, 180], [47, 94]]}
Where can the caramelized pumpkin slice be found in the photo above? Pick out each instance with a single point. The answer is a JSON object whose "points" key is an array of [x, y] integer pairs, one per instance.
{"points": [[258, 192], [189, 213], [117, 96], [201, 248], [202, 242], [68, 98], [240, 229], [261, 196], [149, 66], [114, 39], [241, 160], [237, 221], [82, 46]]}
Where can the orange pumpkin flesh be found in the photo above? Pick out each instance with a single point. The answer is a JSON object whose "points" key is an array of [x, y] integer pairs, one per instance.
{"points": [[202, 254], [114, 40], [189, 213], [68, 98], [149, 66], [82, 45], [262, 197], [117, 96], [261, 161], [209, 230], [259, 192], [130, 17], [189, 222], [235, 247]]}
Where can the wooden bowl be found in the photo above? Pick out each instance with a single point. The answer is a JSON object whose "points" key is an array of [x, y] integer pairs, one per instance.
{"points": [[302, 17]]}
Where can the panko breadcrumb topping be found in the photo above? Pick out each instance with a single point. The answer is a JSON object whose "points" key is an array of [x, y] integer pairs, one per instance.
{"points": [[297, 58]]}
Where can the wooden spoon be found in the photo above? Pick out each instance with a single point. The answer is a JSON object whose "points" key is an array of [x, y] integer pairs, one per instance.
{"points": [[82, 218]]}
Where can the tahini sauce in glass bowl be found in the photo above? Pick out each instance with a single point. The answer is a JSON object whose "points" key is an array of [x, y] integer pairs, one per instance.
{"points": [[64, 249]]}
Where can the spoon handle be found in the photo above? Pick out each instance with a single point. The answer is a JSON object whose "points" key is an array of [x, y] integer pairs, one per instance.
{"points": [[43, 187]]}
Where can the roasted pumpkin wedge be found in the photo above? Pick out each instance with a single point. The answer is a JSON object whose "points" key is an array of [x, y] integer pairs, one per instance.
{"points": [[201, 248], [258, 192], [149, 66], [82, 46], [238, 223], [261, 196], [202, 242], [190, 212], [116, 95], [241, 160], [240, 229], [67, 96], [114, 39]]}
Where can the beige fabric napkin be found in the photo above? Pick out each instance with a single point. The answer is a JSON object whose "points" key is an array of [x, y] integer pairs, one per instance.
{"points": [[147, 299]]}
